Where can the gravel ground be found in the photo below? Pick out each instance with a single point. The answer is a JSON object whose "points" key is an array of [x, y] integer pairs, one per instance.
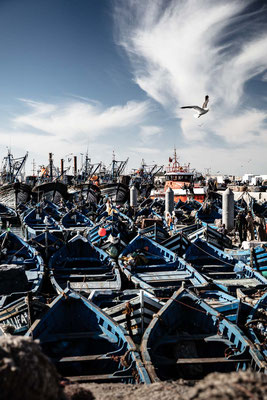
{"points": [[27, 374], [234, 386]]}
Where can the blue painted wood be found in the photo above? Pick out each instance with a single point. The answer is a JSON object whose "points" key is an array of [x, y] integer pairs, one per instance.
{"points": [[74, 219], [151, 266], [211, 235], [155, 232], [133, 309], [36, 221], [259, 259], [178, 243], [15, 251], [7, 213], [84, 266], [208, 214], [223, 302], [46, 244], [188, 339], [222, 269], [257, 325], [86, 344], [14, 317]]}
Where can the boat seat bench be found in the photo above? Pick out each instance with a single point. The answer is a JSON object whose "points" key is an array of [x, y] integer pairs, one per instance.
{"points": [[73, 336], [211, 360], [104, 377], [93, 357], [201, 336]]}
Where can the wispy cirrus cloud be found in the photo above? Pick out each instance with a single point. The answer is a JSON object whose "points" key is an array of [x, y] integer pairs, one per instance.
{"points": [[74, 127], [181, 50], [80, 120]]}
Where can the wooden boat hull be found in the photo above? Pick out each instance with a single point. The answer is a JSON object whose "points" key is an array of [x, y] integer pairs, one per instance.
{"points": [[117, 192], [12, 194], [52, 191], [133, 309], [156, 267], [85, 344], [18, 316], [84, 266], [188, 339], [222, 269], [20, 268]]}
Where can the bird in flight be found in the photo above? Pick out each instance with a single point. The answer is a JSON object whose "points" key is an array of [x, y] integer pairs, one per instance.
{"points": [[200, 110]]}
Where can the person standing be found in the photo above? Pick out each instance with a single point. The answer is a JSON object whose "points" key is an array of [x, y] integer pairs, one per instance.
{"points": [[260, 227], [250, 226], [241, 226]]}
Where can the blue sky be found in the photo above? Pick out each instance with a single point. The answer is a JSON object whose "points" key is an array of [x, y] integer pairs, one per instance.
{"points": [[108, 75]]}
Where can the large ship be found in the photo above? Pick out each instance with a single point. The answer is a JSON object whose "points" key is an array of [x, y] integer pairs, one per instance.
{"points": [[182, 180]]}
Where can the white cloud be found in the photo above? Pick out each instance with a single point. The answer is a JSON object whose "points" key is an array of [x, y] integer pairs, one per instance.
{"points": [[180, 51], [72, 128], [246, 127], [144, 150], [81, 121], [149, 133]]}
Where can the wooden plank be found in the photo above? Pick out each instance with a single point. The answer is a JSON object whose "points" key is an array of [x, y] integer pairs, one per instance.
{"points": [[71, 335], [104, 284], [93, 378], [93, 357], [211, 360]]}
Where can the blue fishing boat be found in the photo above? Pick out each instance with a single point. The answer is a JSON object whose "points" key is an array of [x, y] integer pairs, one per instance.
{"points": [[46, 244], [133, 309], [222, 269], [256, 257], [178, 243], [21, 269], [85, 344], [113, 241], [148, 265], [223, 302], [84, 266], [211, 235], [19, 314], [115, 216], [52, 209], [187, 339], [117, 225], [208, 212], [188, 229], [76, 220], [189, 205], [155, 232], [149, 213], [257, 325], [36, 221], [201, 252], [8, 214]]}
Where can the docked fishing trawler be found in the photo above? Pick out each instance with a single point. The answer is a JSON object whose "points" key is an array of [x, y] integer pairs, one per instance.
{"points": [[181, 179]]}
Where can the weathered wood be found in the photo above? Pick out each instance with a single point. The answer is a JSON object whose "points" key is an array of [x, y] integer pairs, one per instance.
{"points": [[83, 358], [71, 336], [95, 378], [211, 360]]}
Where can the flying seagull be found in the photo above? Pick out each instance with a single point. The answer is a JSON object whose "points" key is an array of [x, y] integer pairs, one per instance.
{"points": [[201, 110]]}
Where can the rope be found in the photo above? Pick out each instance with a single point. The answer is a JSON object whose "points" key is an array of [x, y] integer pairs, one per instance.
{"points": [[187, 305], [10, 256], [212, 256]]}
